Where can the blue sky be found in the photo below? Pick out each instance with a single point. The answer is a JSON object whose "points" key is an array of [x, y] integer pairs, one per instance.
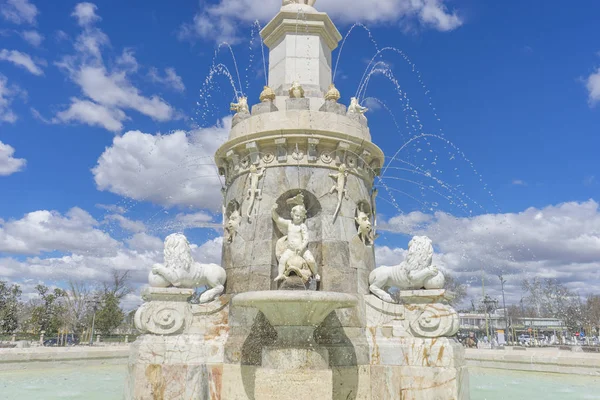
{"points": [[514, 85]]}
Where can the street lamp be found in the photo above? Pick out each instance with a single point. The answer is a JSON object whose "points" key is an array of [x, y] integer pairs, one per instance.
{"points": [[95, 301], [502, 282], [489, 304]]}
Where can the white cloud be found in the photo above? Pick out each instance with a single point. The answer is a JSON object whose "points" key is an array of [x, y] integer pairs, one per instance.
{"points": [[19, 11], [85, 13], [9, 164], [209, 252], [519, 182], [220, 21], [109, 92], [593, 87], [143, 242], [44, 231], [171, 170], [126, 223], [22, 60], [170, 80], [34, 38], [90, 113], [560, 242], [6, 96]]}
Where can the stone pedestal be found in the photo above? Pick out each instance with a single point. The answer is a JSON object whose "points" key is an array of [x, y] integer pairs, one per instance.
{"points": [[297, 104], [333, 107], [181, 353], [264, 107]]}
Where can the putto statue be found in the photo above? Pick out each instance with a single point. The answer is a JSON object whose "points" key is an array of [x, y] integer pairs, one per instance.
{"points": [[355, 107], [181, 271], [291, 249], [332, 93], [415, 272], [241, 107], [267, 95]]}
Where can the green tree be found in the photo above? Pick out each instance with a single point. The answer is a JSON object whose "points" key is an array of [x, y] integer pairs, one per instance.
{"points": [[9, 307], [49, 314], [110, 315]]}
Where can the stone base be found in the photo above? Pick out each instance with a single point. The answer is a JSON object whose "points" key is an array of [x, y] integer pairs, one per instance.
{"points": [[264, 107], [360, 118], [297, 104], [239, 117], [297, 384], [333, 107]]}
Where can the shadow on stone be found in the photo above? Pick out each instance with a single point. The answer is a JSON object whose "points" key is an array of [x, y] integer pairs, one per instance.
{"points": [[261, 334]]}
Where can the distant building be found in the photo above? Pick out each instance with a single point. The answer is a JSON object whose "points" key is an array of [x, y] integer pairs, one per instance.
{"points": [[475, 322]]}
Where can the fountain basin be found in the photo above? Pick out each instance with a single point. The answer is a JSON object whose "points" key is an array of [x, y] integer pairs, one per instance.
{"points": [[295, 308]]}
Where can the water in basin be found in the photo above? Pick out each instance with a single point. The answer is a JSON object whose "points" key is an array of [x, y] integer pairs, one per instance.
{"points": [[107, 383]]}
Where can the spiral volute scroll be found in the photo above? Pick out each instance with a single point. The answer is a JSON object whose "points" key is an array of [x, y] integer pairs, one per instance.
{"points": [[435, 320], [161, 318]]}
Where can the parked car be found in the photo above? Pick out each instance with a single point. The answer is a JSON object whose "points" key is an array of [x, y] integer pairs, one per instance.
{"points": [[69, 340], [525, 339]]}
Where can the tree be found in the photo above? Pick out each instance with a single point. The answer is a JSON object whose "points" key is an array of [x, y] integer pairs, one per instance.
{"points": [[77, 303], [9, 306], [459, 289], [49, 315], [110, 315]]}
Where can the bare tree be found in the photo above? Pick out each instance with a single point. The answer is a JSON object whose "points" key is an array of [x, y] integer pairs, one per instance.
{"points": [[119, 285]]}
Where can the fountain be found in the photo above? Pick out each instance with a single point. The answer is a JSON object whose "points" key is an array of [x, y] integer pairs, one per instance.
{"points": [[297, 309]]}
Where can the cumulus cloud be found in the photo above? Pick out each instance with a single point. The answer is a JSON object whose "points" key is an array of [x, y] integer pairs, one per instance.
{"points": [[220, 21], [7, 94], [171, 80], [108, 92], [9, 164], [176, 169], [21, 60], [34, 38], [593, 86], [559, 242], [19, 11]]}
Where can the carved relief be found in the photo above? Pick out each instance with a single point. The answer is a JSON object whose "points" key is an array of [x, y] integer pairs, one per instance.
{"points": [[363, 223], [268, 158], [291, 250], [374, 192], [234, 218], [435, 320], [254, 193], [340, 187], [162, 317]]}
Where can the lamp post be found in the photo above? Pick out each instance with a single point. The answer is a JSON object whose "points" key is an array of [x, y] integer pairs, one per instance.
{"points": [[488, 302], [502, 282], [94, 301]]}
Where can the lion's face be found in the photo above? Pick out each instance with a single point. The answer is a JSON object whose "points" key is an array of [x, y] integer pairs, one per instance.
{"points": [[178, 254], [420, 253]]}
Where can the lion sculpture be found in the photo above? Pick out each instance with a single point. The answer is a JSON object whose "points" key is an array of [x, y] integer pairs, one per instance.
{"points": [[180, 270], [415, 272]]}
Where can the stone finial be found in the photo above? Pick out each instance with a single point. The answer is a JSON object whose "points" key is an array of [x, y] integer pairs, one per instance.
{"points": [[332, 93], [267, 95], [307, 2], [296, 91]]}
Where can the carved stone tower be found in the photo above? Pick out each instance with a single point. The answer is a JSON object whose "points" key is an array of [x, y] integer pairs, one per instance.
{"points": [[299, 143]]}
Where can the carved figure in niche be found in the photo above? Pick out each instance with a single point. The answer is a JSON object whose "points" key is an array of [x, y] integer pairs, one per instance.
{"points": [[355, 107], [292, 247], [296, 91], [267, 95], [332, 94], [180, 270], [253, 191], [415, 272], [365, 231], [340, 187], [241, 107], [233, 222]]}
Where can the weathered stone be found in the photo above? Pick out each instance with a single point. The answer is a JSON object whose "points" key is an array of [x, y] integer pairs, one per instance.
{"points": [[264, 107], [333, 107], [297, 104]]}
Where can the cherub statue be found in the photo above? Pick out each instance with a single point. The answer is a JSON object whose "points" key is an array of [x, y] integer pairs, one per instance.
{"points": [[332, 94], [355, 107], [180, 270], [294, 243], [241, 107], [296, 91], [267, 95], [340, 187], [253, 191]]}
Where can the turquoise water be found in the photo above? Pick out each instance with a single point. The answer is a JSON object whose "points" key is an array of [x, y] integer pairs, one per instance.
{"points": [[107, 383]]}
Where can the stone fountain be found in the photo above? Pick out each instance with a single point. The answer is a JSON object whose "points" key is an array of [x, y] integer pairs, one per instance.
{"points": [[297, 308]]}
